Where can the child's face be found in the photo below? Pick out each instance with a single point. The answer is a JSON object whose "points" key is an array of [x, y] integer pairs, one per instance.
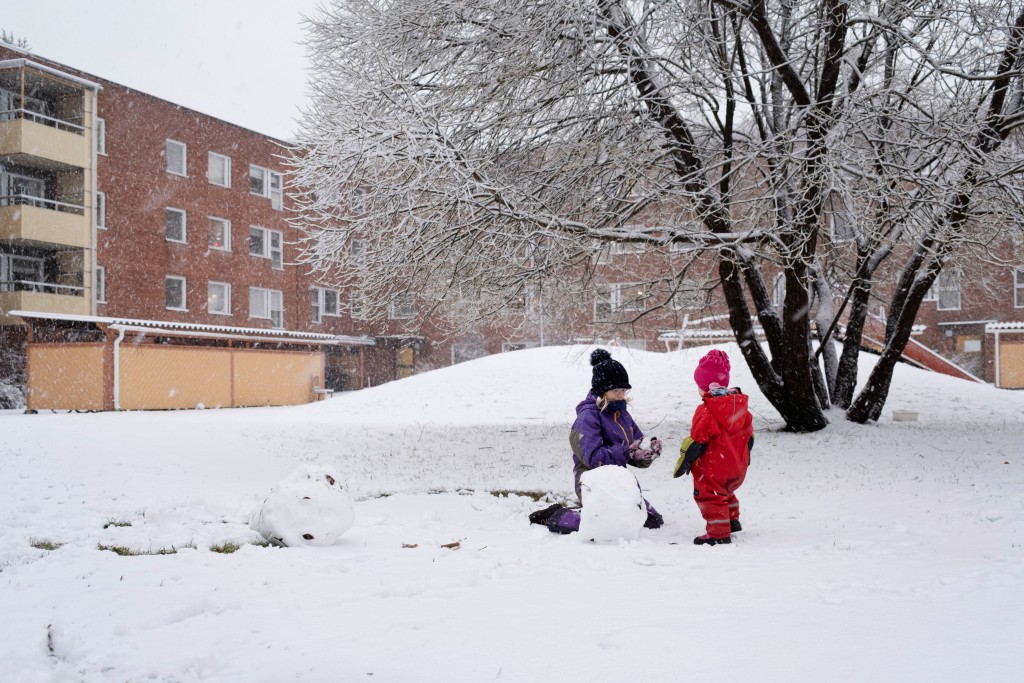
{"points": [[615, 395]]}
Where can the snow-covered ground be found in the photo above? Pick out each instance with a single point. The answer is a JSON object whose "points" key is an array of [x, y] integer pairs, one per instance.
{"points": [[885, 552]]}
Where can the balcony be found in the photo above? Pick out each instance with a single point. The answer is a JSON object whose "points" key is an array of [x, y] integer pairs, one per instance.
{"points": [[47, 280], [21, 134], [27, 295], [44, 115], [35, 219]]}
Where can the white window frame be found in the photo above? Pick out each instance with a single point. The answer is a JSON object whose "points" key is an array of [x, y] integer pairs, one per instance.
{"points": [[627, 248], [100, 285], [625, 301], [403, 306], [267, 304], [358, 249], [268, 251], [101, 210], [101, 136], [944, 287], [687, 295], [211, 157], [604, 302], [183, 285], [357, 305], [779, 290], [1018, 287], [184, 225], [168, 145], [323, 303], [226, 297], [842, 225], [226, 226], [271, 185]]}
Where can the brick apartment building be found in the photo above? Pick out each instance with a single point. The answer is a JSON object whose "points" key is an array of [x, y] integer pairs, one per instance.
{"points": [[119, 208], [120, 212]]}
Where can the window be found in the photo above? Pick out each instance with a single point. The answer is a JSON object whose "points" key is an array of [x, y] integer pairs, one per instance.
{"points": [[1018, 288], [947, 290], [220, 233], [174, 293], [218, 298], [619, 297], [218, 169], [175, 153], [619, 248], [266, 244], [100, 286], [357, 305], [358, 201], [403, 306], [323, 302], [175, 225], [631, 297], [842, 225], [266, 183], [690, 295], [267, 304], [358, 252], [604, 302], [18, 185], [101, 136], [101, 209], [780, 290]]}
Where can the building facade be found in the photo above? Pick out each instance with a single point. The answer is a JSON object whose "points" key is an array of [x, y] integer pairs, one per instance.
{"points": [[121, 210]]}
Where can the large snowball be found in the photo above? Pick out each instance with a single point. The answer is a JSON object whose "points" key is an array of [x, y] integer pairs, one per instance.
{"points": [[613, 507], [308, 507]]}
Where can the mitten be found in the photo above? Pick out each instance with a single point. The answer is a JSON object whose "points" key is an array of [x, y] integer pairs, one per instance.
{"points": [[640, 457], [655, 448], [689, 451]]}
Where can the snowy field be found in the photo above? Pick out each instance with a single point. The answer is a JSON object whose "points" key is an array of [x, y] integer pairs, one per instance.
{"points": [[886, 552]]}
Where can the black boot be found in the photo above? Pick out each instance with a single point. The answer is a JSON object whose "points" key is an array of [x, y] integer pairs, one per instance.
{"points": [[542, 516], [734, 525], [707, 540], [654, 520]]}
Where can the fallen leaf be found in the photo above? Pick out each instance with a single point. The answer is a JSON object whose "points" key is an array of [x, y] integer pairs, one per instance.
{"points": [[454, 545], [410, 545]]}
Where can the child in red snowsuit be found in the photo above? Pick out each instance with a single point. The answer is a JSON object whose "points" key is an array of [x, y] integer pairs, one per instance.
{"points": [[718, 449]]}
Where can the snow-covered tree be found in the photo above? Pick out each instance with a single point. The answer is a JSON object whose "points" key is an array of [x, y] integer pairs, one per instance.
{"points": [[492, 144]]}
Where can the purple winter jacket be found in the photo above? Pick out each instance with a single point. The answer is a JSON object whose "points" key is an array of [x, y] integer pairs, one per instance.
{"points": [[601, 437]]}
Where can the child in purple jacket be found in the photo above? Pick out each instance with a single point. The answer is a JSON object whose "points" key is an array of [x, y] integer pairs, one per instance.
{"points": [[603, 434]]}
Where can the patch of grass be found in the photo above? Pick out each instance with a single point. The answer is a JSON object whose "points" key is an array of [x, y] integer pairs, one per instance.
{"points": [[229, 547], [44, 544], [225, 548], [536, 496], [125, 551], [116, 522]]}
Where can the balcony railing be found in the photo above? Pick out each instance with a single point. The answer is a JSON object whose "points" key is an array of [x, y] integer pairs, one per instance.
{"points": [[41, 203], [59, 124], [45, 287]]}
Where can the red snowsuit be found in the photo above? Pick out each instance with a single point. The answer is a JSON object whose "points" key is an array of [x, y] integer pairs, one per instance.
{"points": [[724, 424]]}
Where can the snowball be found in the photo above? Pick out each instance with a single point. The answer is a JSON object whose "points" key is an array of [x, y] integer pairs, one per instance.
{"points": [[309, 507], [613, 507]]}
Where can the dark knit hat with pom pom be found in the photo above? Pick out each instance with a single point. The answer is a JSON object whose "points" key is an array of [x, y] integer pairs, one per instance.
{"points": [[608, 374]]}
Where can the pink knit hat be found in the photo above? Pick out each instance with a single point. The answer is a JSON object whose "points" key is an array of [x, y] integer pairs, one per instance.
{"points": [[713, 368]]}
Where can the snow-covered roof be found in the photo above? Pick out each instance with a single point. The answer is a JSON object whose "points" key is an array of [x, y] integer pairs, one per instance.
{"points": [[700, 333], [182, 328], [1001, 327]]}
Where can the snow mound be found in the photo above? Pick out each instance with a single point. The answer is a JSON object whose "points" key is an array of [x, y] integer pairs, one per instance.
{"points": [[310, 507], [613, 507]]}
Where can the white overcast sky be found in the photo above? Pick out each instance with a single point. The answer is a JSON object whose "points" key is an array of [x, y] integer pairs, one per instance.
{"points": [[238, 60]]}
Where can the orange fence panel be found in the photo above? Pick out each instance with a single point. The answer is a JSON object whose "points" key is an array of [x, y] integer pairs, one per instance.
{"points": [[65, 377]]}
